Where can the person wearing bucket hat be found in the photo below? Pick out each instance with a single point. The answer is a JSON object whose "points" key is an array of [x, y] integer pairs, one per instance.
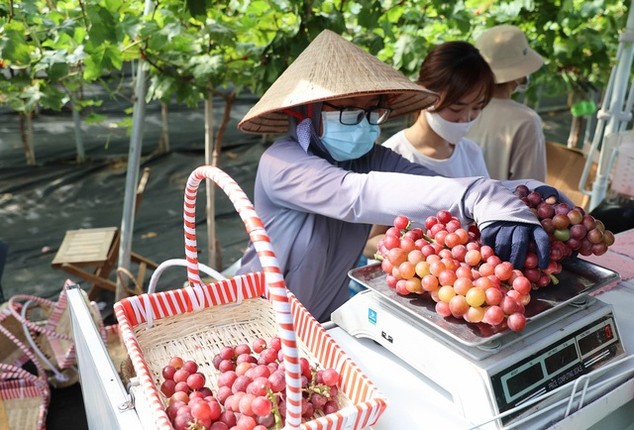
{"points": [[510, 133], [320, 186], [436, 138]]}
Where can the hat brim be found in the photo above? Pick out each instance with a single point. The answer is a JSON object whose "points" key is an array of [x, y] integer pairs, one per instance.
{"points": [[332, 68], [275, 121], [530, 64]]}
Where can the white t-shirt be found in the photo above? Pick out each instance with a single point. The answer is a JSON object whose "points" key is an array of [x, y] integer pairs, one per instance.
{"points": [[512, 138], [466, 159]]}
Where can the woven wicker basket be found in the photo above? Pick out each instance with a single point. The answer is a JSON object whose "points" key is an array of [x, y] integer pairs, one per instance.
{"points": [[24, 396], [48, 327], [196, 321], [9, 352]]}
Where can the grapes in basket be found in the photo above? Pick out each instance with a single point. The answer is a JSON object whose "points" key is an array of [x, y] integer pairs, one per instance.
{"points": [[446, 261], [250, 393]]}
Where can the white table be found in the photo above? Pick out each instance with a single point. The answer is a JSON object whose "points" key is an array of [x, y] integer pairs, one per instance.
{"points": [[414, 402]]}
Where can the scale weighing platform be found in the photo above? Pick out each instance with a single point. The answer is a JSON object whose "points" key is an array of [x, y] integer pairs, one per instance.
{"points": [[495, 377]]}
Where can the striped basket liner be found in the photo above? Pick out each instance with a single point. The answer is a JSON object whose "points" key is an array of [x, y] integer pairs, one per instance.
{"points": [[195, 322]]}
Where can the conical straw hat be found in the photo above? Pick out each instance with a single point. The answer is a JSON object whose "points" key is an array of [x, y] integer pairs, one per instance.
{"points": [[332, 68]]}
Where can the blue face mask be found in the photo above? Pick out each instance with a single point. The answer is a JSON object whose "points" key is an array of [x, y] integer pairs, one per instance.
{"points": [[347, 142]]}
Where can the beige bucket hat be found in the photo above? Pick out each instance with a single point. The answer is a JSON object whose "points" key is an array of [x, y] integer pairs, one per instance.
{"points": [[506, 49], [332, 68]]}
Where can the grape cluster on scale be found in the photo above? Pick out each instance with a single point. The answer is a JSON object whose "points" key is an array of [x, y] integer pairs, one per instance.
{"points": [[250, 389], [446, 261]]}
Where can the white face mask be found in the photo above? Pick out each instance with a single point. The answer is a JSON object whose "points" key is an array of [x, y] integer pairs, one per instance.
{"points": [[452, 132], [522, 88]]}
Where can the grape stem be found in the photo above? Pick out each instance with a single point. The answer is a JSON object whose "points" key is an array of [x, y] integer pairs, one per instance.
{"points": [[553, 279], [321, 389], [428, 239], [314, 387], [193, 425], [276, 410]]}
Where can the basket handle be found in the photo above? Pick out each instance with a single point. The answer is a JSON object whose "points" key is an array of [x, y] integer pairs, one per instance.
{"points": [[179, 262], [17, 301], [176, 262], [41, 373], [122, 274], [275, 285], [58, 374]]}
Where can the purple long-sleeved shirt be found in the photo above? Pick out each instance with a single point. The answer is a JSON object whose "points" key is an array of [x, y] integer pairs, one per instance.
{"points": [[318, 215]]}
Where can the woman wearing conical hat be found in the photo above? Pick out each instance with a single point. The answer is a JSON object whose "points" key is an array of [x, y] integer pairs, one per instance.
{"points": [[321, 186]]}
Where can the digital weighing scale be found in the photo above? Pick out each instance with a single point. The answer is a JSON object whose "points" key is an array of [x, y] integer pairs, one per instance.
{"points": [[483, 371]]}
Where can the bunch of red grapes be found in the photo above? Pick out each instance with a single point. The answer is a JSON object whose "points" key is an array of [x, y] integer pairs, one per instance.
{"points": [[466, 279], [571, 230], [250, 391], [446, 261]]}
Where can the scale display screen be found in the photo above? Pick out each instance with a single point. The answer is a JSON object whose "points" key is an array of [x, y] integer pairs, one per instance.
{"points": [[557, 364], [526, 378], [561, 359], [594, 340]]}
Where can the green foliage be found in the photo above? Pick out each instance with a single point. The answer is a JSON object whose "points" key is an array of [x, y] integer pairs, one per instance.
{"points": [[60, 46], [50, 49], [16, 52], [191, 54], [19, 93], [578, 39]]}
